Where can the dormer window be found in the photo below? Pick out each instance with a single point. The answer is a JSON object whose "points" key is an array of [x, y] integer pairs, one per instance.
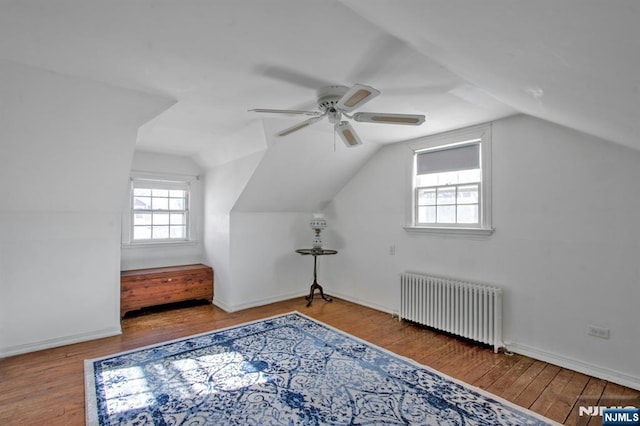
{"points": [[451, 182]]}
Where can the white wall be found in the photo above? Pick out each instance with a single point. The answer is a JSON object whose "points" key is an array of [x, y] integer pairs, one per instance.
{"points": [[265, 266], [301, 172], [565, 249], [259, 208], [149, 255], [66, 148], [252, 253], [223, 185]]}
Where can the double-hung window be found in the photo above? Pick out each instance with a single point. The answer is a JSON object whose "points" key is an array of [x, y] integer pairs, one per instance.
{"points": [[451, 182], [159, 210]]}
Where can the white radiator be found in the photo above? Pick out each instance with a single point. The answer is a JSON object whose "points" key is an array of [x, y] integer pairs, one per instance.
{"points": [[462, 308]]}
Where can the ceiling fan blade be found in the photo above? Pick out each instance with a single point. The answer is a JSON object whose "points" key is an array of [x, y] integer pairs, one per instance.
{"points": [[299, 126], [291, 76], [376, 117], [286, 111], [348, 134], [358, 95]]}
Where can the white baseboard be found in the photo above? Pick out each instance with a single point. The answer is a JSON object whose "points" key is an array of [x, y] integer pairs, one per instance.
{"points": [[260, 302], [220, 304], [362, 302], [577, 365], [61, 341]]}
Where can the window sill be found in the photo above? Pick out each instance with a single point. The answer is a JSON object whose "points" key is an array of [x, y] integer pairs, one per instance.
{"points": [[159, 244], [438, 230]]}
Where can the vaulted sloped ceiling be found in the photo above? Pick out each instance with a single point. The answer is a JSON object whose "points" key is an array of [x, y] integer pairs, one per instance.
{"points": [[574, 63], [458, 62]]}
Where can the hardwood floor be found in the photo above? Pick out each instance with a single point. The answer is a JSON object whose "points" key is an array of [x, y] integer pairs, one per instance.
{"points": [[47, 387]]}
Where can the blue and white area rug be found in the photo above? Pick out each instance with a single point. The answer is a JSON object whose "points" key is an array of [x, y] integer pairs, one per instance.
{"points": [[285, 370]]}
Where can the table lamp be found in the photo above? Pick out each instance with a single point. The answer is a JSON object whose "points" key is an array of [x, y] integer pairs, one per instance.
{"points": [[318, 223]]}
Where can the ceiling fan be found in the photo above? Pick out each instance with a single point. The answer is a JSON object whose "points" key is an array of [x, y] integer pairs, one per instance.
{"points": [[337, 102]]}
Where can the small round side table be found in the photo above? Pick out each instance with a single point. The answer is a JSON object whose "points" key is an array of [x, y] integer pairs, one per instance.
{"points": [[315, 286]]}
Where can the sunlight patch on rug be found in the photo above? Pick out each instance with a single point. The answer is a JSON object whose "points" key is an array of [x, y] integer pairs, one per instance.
{"points": [[288, 369]]}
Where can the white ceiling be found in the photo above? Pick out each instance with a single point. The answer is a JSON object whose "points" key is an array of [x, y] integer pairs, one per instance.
{"points": [[573, 62]]}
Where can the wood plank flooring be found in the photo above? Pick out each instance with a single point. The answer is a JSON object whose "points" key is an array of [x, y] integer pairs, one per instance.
{"points": [[47, 387]]}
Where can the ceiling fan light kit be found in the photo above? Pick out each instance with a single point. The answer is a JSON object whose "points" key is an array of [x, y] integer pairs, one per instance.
{"points": [[334, 102]]}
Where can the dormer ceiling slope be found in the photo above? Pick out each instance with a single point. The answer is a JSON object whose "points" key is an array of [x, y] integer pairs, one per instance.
{"points": [[572, 62], [458, 62]]}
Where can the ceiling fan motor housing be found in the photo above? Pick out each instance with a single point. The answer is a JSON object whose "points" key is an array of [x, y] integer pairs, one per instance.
{"points": [[329, 96]]}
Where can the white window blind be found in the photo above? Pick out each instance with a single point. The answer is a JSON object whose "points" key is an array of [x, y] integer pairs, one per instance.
{"points": [[160, 184], [450, 159]]}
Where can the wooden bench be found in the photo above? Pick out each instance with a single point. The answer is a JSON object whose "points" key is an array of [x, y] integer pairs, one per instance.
{"points": [[142, 288]]}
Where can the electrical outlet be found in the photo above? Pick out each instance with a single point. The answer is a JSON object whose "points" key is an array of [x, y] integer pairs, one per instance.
{"points": [[600, 332], [392, 250]]}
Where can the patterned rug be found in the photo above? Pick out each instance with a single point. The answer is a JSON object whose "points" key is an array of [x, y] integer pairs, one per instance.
{"points": [[285, 370]]}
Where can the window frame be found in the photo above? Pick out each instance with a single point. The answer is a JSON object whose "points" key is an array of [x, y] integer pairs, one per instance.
{"points": [[480, 134], [172, 182], [436, 189]]}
